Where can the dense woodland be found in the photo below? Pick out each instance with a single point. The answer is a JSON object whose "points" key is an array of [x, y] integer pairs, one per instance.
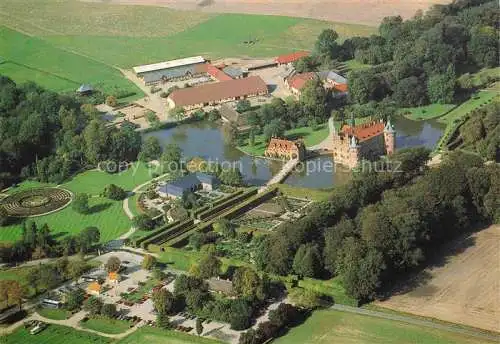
{"points": [[414, 62], [50, 136], [383, 225]]}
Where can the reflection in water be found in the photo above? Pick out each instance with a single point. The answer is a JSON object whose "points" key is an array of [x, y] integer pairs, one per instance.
{"points": [[205, 139]]}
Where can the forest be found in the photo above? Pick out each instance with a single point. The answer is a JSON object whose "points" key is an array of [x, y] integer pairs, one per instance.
{"points": [[383, 225], [49, 136]]}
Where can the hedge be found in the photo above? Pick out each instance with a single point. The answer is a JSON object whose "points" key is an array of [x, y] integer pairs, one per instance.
{"points": [[215, 210], [216, 203], [137, 242], [183, 239], [165, 234]]}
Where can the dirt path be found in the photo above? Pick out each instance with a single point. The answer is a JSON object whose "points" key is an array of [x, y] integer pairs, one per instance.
{"points": [[368, 12], [463, 288]]}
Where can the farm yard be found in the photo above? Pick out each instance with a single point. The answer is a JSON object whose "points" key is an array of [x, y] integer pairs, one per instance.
{"points": [[89, 42], [463, 288], [329, 326]]}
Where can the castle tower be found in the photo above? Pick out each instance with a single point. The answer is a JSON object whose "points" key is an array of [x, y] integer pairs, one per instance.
{"points": [[353, 155], [352, 121], [389, 138]]}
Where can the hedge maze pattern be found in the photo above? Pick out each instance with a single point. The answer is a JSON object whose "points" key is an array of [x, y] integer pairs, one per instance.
{"points": [[35, 202]]}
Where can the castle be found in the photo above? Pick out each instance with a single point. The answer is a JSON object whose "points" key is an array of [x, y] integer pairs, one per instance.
{"points": [[368, 141]]}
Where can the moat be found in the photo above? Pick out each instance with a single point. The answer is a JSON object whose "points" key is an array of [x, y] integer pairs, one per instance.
{"points": [[204, 139]]}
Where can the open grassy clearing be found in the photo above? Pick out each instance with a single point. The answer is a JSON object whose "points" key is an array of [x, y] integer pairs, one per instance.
{"points": [[105, 214], [54, 313], [329, 326], [304, 193], [311, 137], [423, 113], [67, 68], [54, 334], [106, 325], [477, 100], [152, 335]]}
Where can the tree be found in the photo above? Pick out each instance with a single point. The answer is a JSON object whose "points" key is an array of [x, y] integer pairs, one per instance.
{"points": [[284, 315], [247, 283], [231, 176], [171, 158], [243, 105], [326, 43], [158, 274], [225, 227], [143, 222], [12, 292], [75, 299], [307, 261], [113, 264], [209, 266], [80, 203], [251, 137], [164, 301], [275, 128], [410, 92], [109, 310], [483, 46], [148, 262], [305, 298], [87, 238], [4, 217], [111, 101], [150, 150], [199, 326], [441, 87], [114, 192], [240, 315], [93, 305], [162, 321], [305, 64], [76, 267]]}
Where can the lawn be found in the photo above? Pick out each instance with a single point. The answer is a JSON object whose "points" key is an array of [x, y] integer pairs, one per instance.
{"points": [[106, 325], [477, 100], [54, 334], [299, 192], [423, 113], [311, 137], [93, 182], [329, 326], [19, 275], [54, 313], [105, 214], [151, 335], [332, 288], [65, 70]]}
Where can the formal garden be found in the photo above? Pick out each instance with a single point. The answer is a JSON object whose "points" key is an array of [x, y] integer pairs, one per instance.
{"points": [[36, 202]]}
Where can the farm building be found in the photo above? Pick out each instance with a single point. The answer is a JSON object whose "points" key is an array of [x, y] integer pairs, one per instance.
{"points": [[85, 90], [170, 70], [290, 58], [296, 82], [228, 114], [235, 72], [217, 93], [335, 82], [190, 182]]}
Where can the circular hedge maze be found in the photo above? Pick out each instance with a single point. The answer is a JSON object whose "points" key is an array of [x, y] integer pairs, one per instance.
{"points": [[35, 202]]}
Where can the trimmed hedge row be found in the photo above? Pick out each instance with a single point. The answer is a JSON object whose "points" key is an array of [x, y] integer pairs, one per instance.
{"points": [[217, 209], [166, 234], [251, 203], [137, 242], [183, 239], [216, 203]]}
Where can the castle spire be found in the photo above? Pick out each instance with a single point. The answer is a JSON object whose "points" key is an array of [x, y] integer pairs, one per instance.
{"points": [[354, 143], [352, 121], [388, 126]]}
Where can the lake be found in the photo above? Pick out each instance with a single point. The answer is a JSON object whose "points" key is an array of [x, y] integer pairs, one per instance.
{"points": [[204, 139]]}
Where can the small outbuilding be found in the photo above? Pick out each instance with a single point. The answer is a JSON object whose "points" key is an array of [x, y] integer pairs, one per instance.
{"points": [[94, 288], [85, 90], [189, 183]]}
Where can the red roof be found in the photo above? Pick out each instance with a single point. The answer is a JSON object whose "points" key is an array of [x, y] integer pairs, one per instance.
{"points": [[298, 81], [364, 131], [218, 91], [217, 73], [291, 57], [340, 87]]}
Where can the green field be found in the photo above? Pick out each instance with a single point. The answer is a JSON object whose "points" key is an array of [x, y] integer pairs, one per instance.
{"points": [[105, 325], [423, 113], [329, 326], [64, 70], [54, 313], [311, 137], [53, 334], [70, 42], [477, 100], [152, 335]]}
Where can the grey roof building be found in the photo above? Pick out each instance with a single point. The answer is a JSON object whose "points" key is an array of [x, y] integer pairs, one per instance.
{"points": [[190, 182], [235, 72], [331, 75], [85, 88]]}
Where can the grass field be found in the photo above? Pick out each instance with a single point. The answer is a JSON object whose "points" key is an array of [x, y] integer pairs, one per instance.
{"points": [[54, 313], [299, 192], [105, 325], [69, 42], [54, 334], [64, 70], [152, 335], [423, 113], [329, 326], [311, 137], [477, 100], [18, 274]]}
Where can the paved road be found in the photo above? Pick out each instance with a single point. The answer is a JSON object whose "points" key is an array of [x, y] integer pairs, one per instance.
{"points": [[419, 322]]}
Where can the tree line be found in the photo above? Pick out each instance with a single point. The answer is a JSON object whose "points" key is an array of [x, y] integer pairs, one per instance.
{"points": [[382, 225]]}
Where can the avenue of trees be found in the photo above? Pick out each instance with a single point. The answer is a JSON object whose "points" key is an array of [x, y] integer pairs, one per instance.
{"points": [[384, 224], [49, 137]]}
